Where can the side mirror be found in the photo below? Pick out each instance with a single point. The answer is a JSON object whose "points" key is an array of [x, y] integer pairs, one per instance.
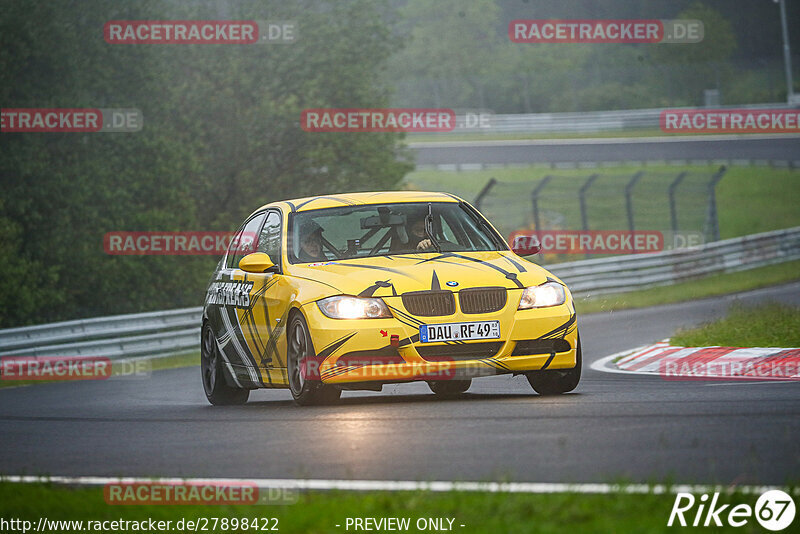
{"points": [[525, 244], [258, 262]]}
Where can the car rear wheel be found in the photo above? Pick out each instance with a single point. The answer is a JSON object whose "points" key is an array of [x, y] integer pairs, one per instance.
{"points": [[218, 392], [557, 381], [449, 388], [306, 392]]}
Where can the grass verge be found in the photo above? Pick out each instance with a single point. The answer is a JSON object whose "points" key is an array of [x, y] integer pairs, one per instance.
{"points": [[322, 512], [709, 286], [766, 325]]}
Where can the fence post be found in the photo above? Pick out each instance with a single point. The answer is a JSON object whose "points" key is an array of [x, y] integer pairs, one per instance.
{"points": [[582, 198], [673, 210], [628, 197], [713, 220], [484, 192], [535, 201]]}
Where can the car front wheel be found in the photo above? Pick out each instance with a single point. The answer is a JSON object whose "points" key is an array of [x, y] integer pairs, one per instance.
{"points": [[305, 392], [557, 381]]}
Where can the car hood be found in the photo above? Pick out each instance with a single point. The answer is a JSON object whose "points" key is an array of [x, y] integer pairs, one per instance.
{"points": [[385, 276]]}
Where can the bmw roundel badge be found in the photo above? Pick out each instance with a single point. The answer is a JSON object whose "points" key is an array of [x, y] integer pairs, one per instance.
{"points": [[452, 283]]}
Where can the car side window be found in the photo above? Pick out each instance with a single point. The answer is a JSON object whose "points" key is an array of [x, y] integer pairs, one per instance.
{"points": [[245, 241], [269, 240]]}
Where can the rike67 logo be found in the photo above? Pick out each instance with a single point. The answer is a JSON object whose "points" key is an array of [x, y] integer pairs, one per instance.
{"points": [[774, 510]]}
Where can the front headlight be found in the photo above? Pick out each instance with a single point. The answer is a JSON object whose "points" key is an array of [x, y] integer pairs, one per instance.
{"points": [[346, 307], [543, 296]]}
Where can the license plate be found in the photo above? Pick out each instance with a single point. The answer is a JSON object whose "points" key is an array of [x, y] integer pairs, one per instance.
{"points": [[430, 333]]}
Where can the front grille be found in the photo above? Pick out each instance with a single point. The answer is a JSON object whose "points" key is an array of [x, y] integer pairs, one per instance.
{"points": [[482, 299], [540, 346], [467, 351], [429, 303]]}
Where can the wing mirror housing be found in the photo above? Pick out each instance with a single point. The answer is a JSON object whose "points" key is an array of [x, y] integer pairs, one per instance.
{"points": [[258, 262], [525, 244]]}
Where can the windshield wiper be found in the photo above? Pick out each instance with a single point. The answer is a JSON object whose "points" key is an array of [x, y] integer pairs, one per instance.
{"points": [[429, 229]]}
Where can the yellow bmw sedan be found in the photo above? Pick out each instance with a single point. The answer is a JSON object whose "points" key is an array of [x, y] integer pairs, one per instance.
{"points": [[354, 291]]}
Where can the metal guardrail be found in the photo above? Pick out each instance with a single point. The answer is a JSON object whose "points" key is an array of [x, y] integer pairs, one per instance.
{"points": [[174, 331], [118, 336], [585, 122], [624, 273]]}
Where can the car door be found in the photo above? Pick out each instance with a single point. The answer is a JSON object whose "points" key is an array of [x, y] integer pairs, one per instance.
{"points": [[265, 324], [230, 304]]}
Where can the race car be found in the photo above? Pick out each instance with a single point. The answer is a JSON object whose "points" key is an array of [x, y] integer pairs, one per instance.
{"points": [[354, 291]]}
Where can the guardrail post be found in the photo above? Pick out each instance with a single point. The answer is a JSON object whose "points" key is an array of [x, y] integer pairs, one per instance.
{"points": [[629, 197], [535, 200], [484, 192], [713, 220], [673, 210]]}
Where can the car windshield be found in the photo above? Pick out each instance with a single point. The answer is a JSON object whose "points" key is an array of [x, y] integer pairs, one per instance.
{"points": [[385, 229]]}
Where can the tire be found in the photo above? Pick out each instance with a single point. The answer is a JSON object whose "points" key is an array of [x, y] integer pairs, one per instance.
{"points": [[217, 390], [449, 388], [305, 392], [557, 381]]}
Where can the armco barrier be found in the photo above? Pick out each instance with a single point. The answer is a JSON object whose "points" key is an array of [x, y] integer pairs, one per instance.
{"points": [[174, 331], [584, 121], [625, 273], [118, 336]]}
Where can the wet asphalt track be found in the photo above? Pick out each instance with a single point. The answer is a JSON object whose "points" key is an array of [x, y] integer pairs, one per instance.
{"points": [[612, 428]]}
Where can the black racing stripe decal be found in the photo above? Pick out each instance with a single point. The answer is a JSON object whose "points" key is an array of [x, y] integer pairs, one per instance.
{"points": [[291, 206], [374, 287], [509, 275], [444, 260], [336, 371], [435, 282], [406, 316], [330, 349], [493, 365], [515, 263], [376, 267], [560, 331], [549, 360], [274, 334], [500, 364], [409, 340], [328, 197]]}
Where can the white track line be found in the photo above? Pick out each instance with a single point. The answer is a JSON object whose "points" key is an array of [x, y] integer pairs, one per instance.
{"points": [[409, 485]]}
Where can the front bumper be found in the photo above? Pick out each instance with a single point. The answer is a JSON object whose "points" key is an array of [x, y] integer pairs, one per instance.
{"points": [[351, 351]]}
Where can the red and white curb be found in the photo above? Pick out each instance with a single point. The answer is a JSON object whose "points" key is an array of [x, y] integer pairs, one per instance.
{"points": [[705, 363]]}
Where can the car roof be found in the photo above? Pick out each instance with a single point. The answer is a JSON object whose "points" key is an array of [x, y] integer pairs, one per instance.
{"points": [[361, 199]]}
